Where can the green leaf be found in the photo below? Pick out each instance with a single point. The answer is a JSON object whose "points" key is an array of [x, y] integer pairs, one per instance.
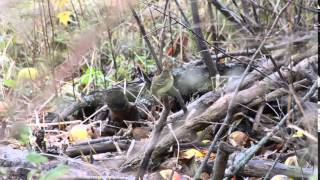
{"points": [[21, 132], [36, 158], [84, 79], [151, 64], [90, 75], [9, 83], [55, 173]]}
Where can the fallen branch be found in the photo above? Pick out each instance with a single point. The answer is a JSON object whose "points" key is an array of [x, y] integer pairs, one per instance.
{"points": [[220, 162], [231, 104], [246, 156], [96, 148], [258, 168], [217, 110]]}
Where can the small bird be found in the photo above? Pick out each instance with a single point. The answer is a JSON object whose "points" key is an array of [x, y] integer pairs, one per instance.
{"points": [[162, 83]]}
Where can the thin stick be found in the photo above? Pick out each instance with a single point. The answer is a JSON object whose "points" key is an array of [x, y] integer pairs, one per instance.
{"points": [[154, 139], [249, 153], [231, 104], [55, 124], [202, 46], [143, 33], [113, 54], [220, 163], [182, 13]]}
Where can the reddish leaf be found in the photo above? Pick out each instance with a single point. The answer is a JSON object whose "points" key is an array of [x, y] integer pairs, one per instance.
{"points": [[170, 51]]}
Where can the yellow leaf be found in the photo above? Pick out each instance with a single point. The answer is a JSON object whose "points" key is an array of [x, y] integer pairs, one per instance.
{"points": [[28, 74], [60, 3], [79, 133], [299, 133], [64, 17], [206, 141], [192, 152]]}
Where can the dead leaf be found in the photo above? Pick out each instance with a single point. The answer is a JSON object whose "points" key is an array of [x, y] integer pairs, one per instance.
{"points": [[165, 174], [188, 154], [291, 161], [238, 138]]}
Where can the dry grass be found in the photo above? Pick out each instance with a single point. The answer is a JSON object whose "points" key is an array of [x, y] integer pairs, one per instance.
{"points": [[116, 11]]}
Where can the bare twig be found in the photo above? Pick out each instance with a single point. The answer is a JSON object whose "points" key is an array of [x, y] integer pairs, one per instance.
{"points": [[210, 108], [277, 69], [162, 34], [249, 153], [231, 104], [3, 128], [307, 134], [192, 31], [258, 117], [112, 54], [76, 14], [201, 44], [220, 163], [154, 139], [276, 160], [143, 33], [231, 16], [182, 13]]}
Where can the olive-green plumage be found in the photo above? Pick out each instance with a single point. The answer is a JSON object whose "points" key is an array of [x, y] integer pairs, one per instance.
{"points": [[162, 83]]}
